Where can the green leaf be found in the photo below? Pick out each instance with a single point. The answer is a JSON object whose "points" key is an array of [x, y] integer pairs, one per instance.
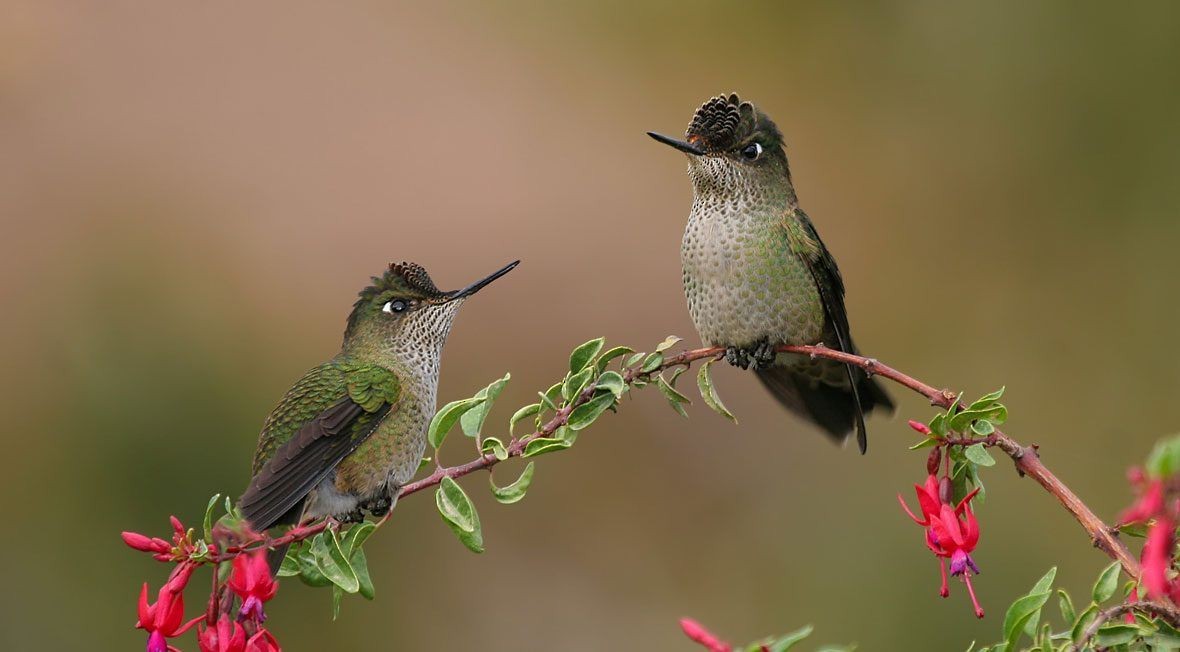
{"points": [[652, 362], [330, 561], [208, 522], [709, 392], [1114, 634], [634, 359], [997, 414], [586, 413], [978, 454], [1164, 461], [1024, 613], [938, 425], [523, 413], [576, 383], [289, 567], [1065, 604], [309, 572], [584, 354], [551, 397], [445, 419], [785, 642], [926, 443], [542, 445], [612, 382], [988, 399], [1083, 621], [361, 565], [668, 343], [611, 354], [459, 512], [337, 594], [473, 419], [1108, 582], [494, 446], [356, 537], [675, 398], [983, 427], [515, 491]]}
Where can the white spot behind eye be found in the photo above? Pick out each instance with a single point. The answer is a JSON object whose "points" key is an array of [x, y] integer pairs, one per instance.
{"points": [[388, 307], [757, 149]]}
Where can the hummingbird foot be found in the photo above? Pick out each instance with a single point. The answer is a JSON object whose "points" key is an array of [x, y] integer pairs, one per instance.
{"points": [[764, 355], [737, 357], [355, 516], [378, 506]]}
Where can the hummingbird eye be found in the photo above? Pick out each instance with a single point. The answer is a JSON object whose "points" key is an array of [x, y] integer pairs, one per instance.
{"points": [[752, 151], [395, 306]]}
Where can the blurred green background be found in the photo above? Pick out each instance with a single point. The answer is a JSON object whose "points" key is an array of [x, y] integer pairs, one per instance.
{"points": [[192, 196]]}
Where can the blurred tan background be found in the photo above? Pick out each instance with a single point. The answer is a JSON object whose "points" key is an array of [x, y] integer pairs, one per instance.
{"points": [[191, 197]]}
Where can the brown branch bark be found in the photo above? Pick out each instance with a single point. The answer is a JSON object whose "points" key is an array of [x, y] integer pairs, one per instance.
{"points": [[1026, 458]]}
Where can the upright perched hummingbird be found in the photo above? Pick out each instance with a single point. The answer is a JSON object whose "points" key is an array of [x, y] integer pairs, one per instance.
{"points": [[756, 273], [352, 431]]}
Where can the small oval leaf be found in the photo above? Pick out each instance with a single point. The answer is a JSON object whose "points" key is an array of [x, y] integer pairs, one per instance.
{"points": [[515, 491]]}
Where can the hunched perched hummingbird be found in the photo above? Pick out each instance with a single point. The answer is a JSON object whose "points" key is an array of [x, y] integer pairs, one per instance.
{"points": [[756, 273], [352, 431]]}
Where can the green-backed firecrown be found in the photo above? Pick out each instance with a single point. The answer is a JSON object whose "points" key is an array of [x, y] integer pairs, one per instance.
{"points": [[352, 431], [756, 273]]}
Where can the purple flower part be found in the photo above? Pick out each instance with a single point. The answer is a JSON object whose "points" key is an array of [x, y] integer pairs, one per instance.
{"points": [[961, 561], [157, 642], [252, 610]]}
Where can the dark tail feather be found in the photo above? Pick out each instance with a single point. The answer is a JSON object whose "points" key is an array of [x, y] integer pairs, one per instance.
{"points": [[274, 558], [833, 408]]}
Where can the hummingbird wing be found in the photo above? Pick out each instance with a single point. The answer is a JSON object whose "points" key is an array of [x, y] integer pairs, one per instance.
{"points": [[865, 392], [324, 417]]}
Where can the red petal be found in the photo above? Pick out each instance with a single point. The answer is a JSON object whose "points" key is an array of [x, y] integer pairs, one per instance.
{"points": [[139, 542], [172, 612], [263, 641], [145, 611], [907, 511]]}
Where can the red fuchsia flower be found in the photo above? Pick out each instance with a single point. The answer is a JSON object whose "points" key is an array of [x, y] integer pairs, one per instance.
{"points": [[928, 501], [226, 636], [952, 532], [162, 620], [252, 582], [1157, 558], [230, 636], [1149, 504], [699, 634]]}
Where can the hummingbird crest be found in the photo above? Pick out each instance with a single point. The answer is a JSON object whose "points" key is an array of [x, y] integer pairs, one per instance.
{"points": [[724, 123]]}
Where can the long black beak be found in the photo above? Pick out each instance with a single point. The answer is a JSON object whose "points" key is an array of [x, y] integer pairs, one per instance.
{"points": [[687, 148], [478, 285]]}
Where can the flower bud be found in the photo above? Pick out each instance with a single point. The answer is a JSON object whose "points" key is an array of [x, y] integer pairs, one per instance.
{"points": [[945, 490], [933, 461]]}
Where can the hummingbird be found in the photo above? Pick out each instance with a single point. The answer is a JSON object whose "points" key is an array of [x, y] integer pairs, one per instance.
{"points": [[349, 433], [757, 275]]}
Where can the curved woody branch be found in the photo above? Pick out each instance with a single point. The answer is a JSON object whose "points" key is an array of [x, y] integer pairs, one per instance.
{"points": [[1026, 458]]}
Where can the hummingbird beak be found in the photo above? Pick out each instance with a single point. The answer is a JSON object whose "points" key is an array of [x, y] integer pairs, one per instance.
{"points": [[478, 285], [687, 148]]}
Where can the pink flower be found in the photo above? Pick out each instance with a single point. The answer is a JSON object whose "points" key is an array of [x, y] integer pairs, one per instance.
{"points": [[928, 501], [252, 582], [162, 620], [952, 532], [1150, 503], [229, 636], [226, 636], [1157, 558], [698, 633]]}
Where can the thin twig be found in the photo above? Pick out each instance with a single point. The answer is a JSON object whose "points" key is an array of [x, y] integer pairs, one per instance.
{"points": [[1165, 611], [1026, 458]]}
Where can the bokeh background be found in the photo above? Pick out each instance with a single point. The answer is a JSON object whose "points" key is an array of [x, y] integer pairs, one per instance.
{"points": [[192, 195]]}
